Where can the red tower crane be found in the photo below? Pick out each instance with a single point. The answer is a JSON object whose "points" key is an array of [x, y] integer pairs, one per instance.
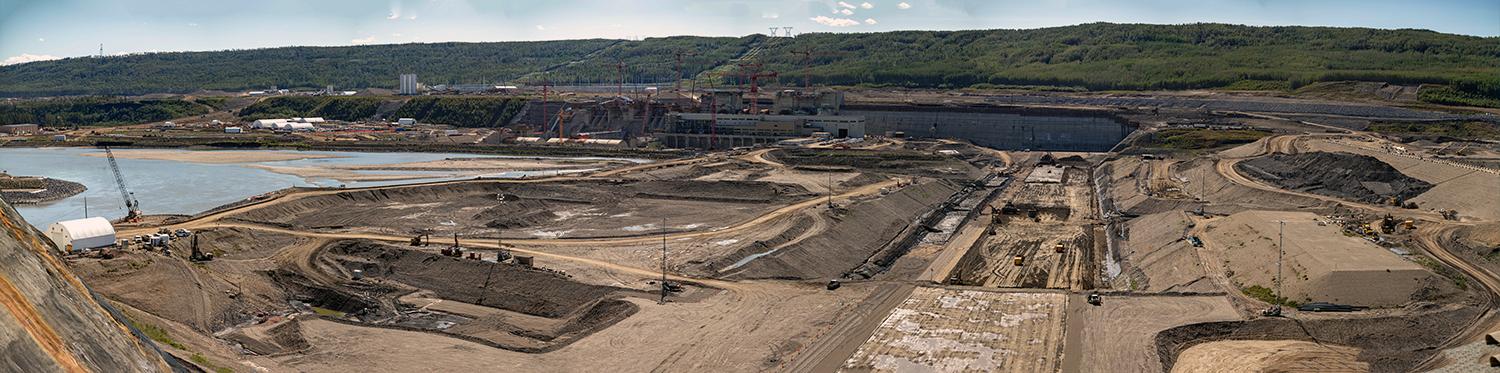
{"points": [[754, 74], [620, 84], [679, 67], [807, 57]]}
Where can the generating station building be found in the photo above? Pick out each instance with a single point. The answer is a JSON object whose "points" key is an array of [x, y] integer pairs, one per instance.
{"points": [[793, 114]]}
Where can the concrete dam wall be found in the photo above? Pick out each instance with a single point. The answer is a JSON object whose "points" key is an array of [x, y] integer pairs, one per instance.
{"points": [[1000, 128]]}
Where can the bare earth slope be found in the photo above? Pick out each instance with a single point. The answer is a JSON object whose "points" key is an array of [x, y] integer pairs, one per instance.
{"points": [[51, 322]]}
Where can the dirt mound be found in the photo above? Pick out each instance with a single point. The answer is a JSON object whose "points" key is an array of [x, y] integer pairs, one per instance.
{"points": [[904, 162], [856, 233], [52, 322], [516, 214], [1269, 356], [1343, 175], [1386, 343], [511, 287], [1156, 257]]}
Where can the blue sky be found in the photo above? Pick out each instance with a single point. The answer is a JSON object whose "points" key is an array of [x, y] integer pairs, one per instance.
{"points": [[44, 29]]}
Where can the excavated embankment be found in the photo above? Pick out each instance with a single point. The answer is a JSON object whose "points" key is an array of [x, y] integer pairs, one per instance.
{"points": [[52, 322], [857, 233]]}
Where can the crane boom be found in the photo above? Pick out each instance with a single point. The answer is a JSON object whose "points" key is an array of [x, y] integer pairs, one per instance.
{"points": [[131, 205]]}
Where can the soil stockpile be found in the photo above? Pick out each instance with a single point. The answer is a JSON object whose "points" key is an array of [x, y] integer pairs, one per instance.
{"points": [[511, 287], [857, 233], [1343, 175], [53, 323]]}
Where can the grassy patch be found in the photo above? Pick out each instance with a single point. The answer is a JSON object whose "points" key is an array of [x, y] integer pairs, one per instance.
{"points": [[1448, 96], [1259, 85], [157, 334], [1452, 274], [1458, 129], [328, 312], [203, 361], [1265, 294], [1194, 138]]}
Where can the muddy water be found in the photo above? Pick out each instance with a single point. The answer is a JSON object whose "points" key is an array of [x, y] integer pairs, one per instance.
{"points": [[179, 187]]}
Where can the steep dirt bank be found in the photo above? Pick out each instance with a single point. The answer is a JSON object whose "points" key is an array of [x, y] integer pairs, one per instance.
{"points": [[51, 321], [856, 233]]}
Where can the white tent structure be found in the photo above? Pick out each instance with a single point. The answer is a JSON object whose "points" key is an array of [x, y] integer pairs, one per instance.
{"points": [[81, 234]]}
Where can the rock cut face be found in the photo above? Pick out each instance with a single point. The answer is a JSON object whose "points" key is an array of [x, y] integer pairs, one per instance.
{"points": [[51, 321]]}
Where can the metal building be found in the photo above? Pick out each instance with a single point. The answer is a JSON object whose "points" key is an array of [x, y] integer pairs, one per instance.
{"points": [[81, 234], [408, 84]]}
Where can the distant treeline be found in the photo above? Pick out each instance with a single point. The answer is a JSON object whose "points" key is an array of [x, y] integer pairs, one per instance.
{"points": [[329, 107], [89, 111], [459, 111], [1098, 56]]}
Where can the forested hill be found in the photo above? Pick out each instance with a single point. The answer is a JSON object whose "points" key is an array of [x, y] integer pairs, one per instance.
{"points": [[1092, 56]]}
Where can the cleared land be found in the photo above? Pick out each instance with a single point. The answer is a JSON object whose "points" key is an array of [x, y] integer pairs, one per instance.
{"points": [[1269, 356], [1321, 264], [1118, 335], [966, 330]]}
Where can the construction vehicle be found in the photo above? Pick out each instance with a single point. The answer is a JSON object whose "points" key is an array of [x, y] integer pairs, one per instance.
{"points": [[198, 255], [418, 240], [1019, 260], [834, 284], [132, 206], [1274, 311], [1059, 248], [1094, 299], [1387, 224], [455, 250], [1195, 241], [1409, 224]]}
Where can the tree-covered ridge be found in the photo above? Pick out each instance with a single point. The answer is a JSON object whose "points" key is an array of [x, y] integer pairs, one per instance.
{"points": [[353, 67], [1097, 56], [462, 111], [329, 107], [87, 111]]}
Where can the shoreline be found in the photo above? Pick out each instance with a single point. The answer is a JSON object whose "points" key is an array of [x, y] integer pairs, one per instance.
{"points": [[52, 190]]}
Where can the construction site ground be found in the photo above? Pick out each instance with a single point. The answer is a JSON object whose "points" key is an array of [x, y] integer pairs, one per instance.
{"points": [[940, 329], [1119, 334], [1063, 215]]}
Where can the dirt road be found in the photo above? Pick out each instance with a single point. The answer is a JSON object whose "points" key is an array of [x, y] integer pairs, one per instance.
{"points": [[1431, 236]]}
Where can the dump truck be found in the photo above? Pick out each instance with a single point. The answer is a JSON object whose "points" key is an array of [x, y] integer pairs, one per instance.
{"points": [[1019, 260], [1059, 248]]}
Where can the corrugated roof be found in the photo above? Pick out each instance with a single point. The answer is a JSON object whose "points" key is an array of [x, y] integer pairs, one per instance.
{"points": [[86, 228]]}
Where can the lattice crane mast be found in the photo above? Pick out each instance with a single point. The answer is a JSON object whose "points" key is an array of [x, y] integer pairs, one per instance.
{"points": [[131, 205]]}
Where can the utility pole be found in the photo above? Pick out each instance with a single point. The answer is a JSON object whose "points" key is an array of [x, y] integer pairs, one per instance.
{"points": [[830, 190], [1280, 237], [85, 207], [663, 261]]}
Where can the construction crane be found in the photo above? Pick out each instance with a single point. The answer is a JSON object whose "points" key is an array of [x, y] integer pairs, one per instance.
{"points": [[808, 55], [679, 67], [131, 205], [620, 84], [754, 74]]}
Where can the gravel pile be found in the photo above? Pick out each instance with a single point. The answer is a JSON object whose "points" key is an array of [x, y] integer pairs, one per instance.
{"points": [[1343, 175]]}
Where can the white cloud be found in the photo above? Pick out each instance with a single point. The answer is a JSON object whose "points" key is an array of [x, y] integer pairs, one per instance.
{"points": [[846, 5], [393, 16], [27, 57], [365, 40], [903, 5], [870, 21], [541, 28], [846, 12], [396, 35], [770, 15], [41, 40], [414, 16], [835, 22], [867, 5]]}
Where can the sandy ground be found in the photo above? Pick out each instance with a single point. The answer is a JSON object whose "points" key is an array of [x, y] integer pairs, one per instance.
{"points": [[967, 330], [483, 164], [1119, 334], [1322, 264], [316, 173], [1158, 258], [750, 329], [212, 156], [1268, 356]]}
